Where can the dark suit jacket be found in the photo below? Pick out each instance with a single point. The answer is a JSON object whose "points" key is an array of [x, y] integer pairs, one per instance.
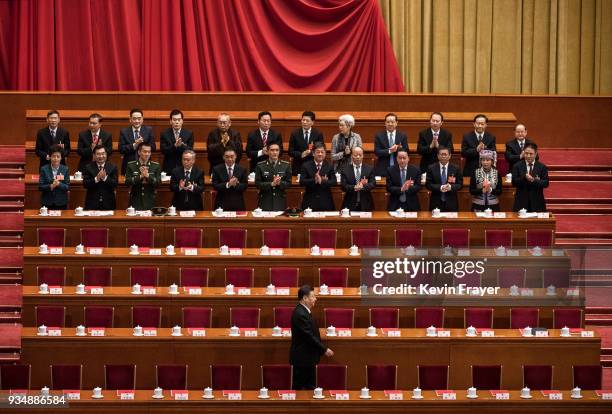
{"points": [[318, 197], [100, 195], [434, 181], [172, 154], [215, 149], [529, 196], [84, 149], [468, 150], [394, 186], [232, 198], [59, 196], [183, 199], [513, 152], [126, 143], [254, 144], [44, 142], [381, 149], [297, 145], [430, 155], [348, 181], [306, 346]]}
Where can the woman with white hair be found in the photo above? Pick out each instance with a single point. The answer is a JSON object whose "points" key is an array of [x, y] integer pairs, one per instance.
{"points": [[485, 183], [344, 141]]}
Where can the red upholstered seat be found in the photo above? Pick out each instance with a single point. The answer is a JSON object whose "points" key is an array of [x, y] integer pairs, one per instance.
{"points": [[426, 317], [240, 276], [333, 276], [511, 276], [187, 237], [141, 237], [487, 377], [119, 377], [384, 317], [146, 316], [197, 317], [245, 317], [587, 377], [193, 276], [52, 276], [51, 316], [282, 316], [539, 237], [456, 238], [331, 376], [572, 318], [523, 317], [408, 237], [171, 376], [66, 377], [339, 317], [99, 316], [557, 277], [538, 377], [97, 276], [94, 237], [324, 238], [433, 377], [233, 238], [144, 276], [226, 377], [51, 236], [365, 238], [15, 377], [285, 276], [498, 237], [277, 376], [276, 238], [478, 317], [381, 377]]}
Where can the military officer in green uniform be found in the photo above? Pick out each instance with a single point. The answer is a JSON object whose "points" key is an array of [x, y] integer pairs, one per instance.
{"points": [[143, 177], [272, 178]]}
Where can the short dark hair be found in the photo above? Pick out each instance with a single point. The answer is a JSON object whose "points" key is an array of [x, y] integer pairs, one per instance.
{"points": [[437, 113], [263, 113], [269, 144], [481, 116], [391, 114], [55, 148], [318, 144], [143, 144], [402, 149], [176, 112], [228, 149], [531, 145], [97, 116], [52, 112], [442, 147], [309, 114], [304, 291], [99, 146], [136, 110]]}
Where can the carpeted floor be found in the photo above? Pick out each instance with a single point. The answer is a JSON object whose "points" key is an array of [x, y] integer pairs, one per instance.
{"points": [[584, 223], [564, 191], [552, 157]]}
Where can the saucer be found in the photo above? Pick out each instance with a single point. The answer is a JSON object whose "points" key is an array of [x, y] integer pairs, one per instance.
{"points": [[420, 397], [372, 334], [157, 397], [178, 334], [576, 398], [170, 254], [353, 254], [135, 334], [81, 334], [527, 397], [42, 334], [471, 336], [173, 293], [97, 397], [322, 397], [79, 253], [262, 397], [40, 292], [171, 214], [471, 397], [369, 397], [134, 253], [315, 254], [208, 397]]}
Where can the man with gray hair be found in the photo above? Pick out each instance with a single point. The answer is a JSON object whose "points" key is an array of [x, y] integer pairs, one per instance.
{"points": [[187, 184]]}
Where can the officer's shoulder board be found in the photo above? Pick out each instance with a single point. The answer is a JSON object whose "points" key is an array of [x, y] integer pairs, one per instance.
{"points": [[262, 162]]}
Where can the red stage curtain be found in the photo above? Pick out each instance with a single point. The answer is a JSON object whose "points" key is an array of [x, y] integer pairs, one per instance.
{"points": [[199, 45]]}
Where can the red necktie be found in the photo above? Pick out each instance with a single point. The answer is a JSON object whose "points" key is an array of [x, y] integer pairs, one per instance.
{"points": [[95, 139], [264, 138]]}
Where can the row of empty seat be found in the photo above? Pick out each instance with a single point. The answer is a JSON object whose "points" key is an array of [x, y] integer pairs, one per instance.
{"points": [[249, 317], [278, 377], [281, 238]]}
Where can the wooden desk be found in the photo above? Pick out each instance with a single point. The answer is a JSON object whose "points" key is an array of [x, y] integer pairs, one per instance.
{"points": [[164, 227], [305, 404], [217, 347], [294, 195], [308, 265], [122, 300]]}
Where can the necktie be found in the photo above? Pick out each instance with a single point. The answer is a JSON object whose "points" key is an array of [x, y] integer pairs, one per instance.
{"points": [[479, 138], [318, 168], [357, 178], [95, 139], [176, 135], [264, 138], [403, 180], [186, 175], [530, 169], [53, 134], [100, 167], [136, 132], [391, 142], [435, 135], [521, 143], [443, 181], [306, 136], [229, 172]]}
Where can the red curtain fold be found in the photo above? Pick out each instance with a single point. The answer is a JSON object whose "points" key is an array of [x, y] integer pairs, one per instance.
{"points": [[196, 45]]}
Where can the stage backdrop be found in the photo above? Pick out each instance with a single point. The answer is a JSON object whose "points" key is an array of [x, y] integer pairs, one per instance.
{"points": [[196, 45]]}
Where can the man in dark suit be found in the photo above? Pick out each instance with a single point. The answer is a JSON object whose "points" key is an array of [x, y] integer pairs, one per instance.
{"points": [[230, 181], [318, 176], [222, 138], [91, 138], [431, 139], [444, 180], [306, 346], [386, 145], [259, 140], [131, 137], [358, 181], [514, 147], [474, 142], [100, 180], [52, 135], [302, 141], [403, 184], [187, 183], [530, 177], [173, 141]]}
